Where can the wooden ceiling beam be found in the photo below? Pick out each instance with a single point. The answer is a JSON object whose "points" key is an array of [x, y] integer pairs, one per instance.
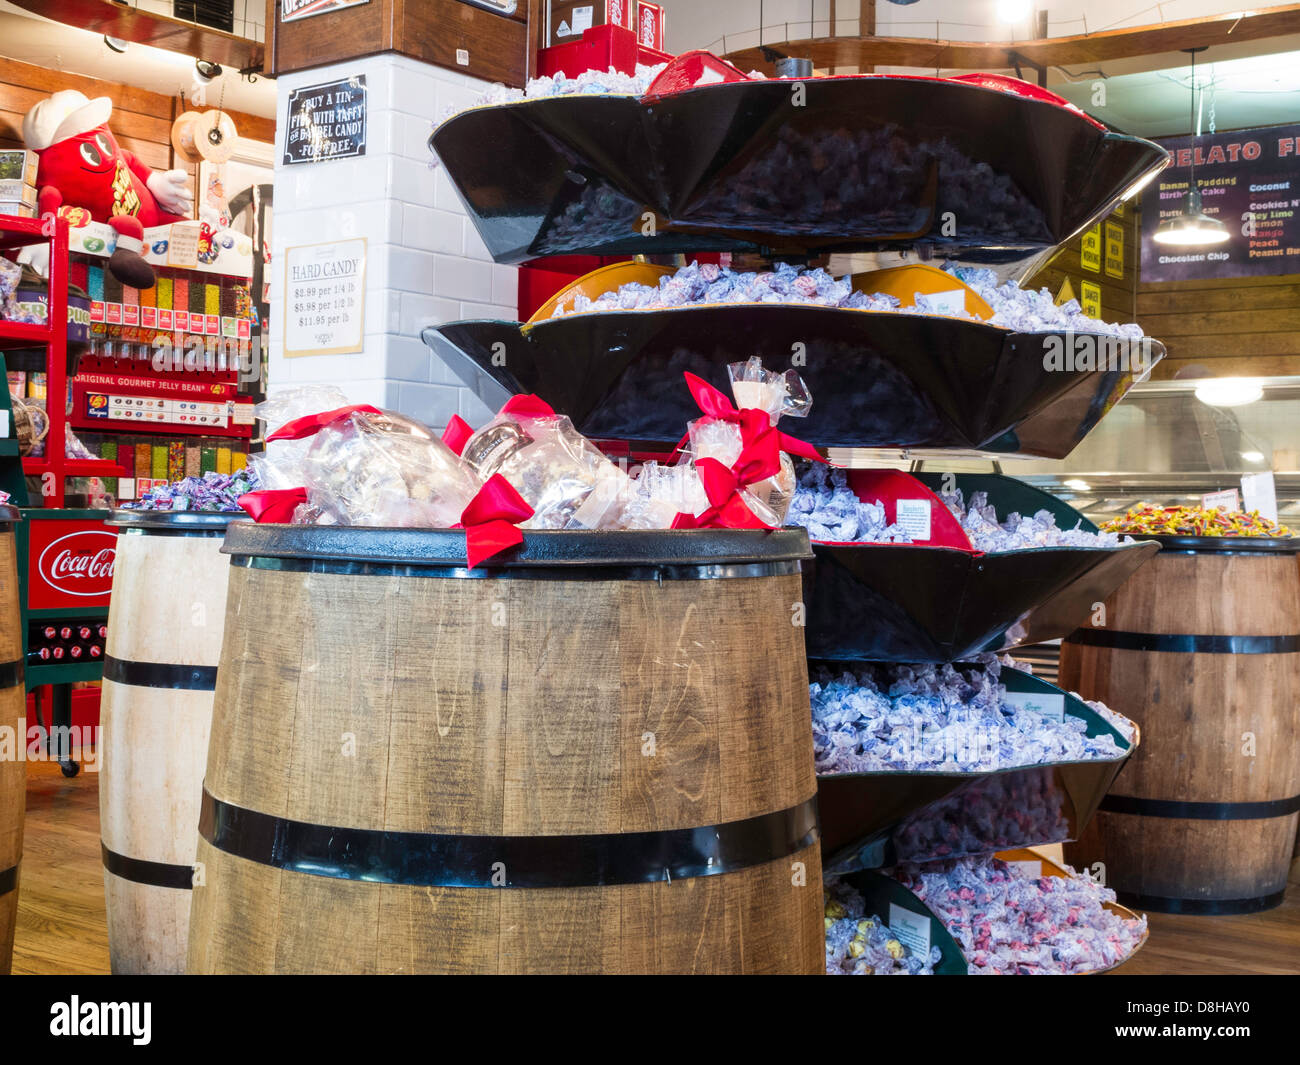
{"points": [[145, 27], [1085, 48]]}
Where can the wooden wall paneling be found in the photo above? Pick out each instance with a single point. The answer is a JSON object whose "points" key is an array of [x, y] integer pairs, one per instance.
{"points": [[141, 119], [1118, 295], [434, 30], [429, 30]]}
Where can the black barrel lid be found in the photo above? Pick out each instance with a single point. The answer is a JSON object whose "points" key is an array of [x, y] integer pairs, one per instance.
{"points": [[446, 547], [174, 521], [1227, 545], [9, 513]]}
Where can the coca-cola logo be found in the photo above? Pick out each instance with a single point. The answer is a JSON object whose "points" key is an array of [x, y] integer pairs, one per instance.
{"points": [[80, 563]]}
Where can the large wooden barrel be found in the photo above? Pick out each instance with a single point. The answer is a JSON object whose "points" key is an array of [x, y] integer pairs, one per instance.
{"points": [[160, 665], [594, 756], [13, 737], [1202, 648]]}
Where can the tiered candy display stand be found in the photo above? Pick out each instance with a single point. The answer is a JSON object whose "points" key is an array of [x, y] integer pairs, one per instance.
{"points": [[984, 168], [65, 554]]}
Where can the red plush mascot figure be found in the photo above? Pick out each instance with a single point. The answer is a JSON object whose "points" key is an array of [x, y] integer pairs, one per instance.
{"points": [[82, 165]]}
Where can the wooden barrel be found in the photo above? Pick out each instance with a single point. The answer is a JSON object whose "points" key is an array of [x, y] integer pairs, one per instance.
{"points": [[13, 737], [592, 757], [1202, 648], [160, 664]]}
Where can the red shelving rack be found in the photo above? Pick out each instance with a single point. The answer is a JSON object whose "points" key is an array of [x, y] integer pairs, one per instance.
{"points": [[54, 467]]}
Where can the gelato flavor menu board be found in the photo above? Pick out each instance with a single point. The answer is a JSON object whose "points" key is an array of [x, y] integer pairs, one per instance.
{"points": [[1250, 181]]}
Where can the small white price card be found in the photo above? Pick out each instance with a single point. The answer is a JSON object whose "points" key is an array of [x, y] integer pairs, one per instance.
{"points": [[914, 516], [1032, 869], [950, 302], [1228, 500], [1049, 704], [183, 244], [1259, 492], [324, 298], [910, 929]]}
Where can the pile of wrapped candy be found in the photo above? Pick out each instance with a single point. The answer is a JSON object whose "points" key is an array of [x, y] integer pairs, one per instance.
{"points": [[1147, 519], [937, 718], [1026, 311], [608, 82], [328, 462], [708, 283], [1000, 812], [861, 945], [697, 284], [211, 493], [827, 507], [1009, 922], [1017, 532]]}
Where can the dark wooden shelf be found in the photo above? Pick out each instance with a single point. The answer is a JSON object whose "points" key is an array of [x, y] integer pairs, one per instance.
{"points": [[1079, 49]]}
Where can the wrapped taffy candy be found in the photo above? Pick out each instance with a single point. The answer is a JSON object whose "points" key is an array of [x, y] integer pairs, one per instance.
{"points": [[370, 467], [744, 441], [755, 389], [280, 466], [380, 468], [563, 476], [659, 493]]}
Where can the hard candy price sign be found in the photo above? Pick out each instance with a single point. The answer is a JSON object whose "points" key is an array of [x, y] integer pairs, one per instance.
{"points": [[326, 121], [1249, 181], [324, 298]]}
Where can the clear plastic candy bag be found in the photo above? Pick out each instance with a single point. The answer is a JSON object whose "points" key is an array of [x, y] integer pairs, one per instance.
{"points": [[660, 493], [383, 470], [777, 395], [559, 472], [280, 466]]}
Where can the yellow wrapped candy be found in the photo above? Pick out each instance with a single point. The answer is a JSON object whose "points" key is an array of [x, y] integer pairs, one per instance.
{"points": [[866, 925], [857, 948], [895, 948], [835, 910]]}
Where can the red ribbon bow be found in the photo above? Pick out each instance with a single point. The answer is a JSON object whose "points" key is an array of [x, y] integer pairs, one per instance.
{"points": [[491, 520], [528, 406], [725, 489], [273, 506], [752, 422], [311, 424], [457, 434]]}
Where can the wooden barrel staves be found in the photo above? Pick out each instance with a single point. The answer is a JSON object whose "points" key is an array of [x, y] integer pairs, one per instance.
{"points": [[1202, 648], [592, 757], [13, 737], [160, 665]]}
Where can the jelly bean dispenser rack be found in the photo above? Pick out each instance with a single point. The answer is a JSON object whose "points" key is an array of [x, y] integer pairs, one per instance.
{"points": [[985, 168]]}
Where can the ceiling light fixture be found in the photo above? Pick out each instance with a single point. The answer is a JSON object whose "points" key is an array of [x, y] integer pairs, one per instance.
{"points": [[206, 70], [1192, 226], [1077, 485], [1014, 10], [116, 43], [1253, 456], [1229, 391]]}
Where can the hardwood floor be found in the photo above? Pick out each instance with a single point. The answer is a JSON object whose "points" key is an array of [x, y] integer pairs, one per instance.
{"points": [[61, 923], [61, 904]]}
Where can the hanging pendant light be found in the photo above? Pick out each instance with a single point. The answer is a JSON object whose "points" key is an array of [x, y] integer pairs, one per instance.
{"points": [[1192, 226]]}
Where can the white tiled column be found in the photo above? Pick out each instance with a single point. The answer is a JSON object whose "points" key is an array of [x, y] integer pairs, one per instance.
{"points": [[424, 262]]}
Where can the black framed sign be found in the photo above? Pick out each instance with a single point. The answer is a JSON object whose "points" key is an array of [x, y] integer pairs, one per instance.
{"points": [[326, 121], [1250, 181]]}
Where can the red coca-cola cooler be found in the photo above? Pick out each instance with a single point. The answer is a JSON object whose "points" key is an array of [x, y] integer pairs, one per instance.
{"points": [[65, 571]]}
